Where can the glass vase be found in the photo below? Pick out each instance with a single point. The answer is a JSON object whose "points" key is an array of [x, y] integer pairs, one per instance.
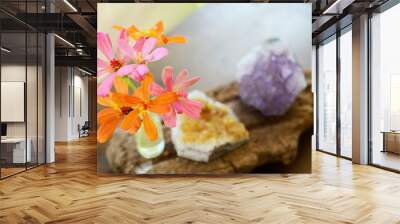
{"points": [[147, 148]]}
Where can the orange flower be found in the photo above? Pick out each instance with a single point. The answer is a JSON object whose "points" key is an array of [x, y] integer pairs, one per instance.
{"points": [[156, 31], [109, 117], [131, 109]]}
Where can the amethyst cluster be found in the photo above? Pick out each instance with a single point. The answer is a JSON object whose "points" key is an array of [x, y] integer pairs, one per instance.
{"points": [[270, 79]]}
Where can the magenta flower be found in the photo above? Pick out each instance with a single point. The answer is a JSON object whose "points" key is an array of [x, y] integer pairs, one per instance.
{"points": [[143, 52], [118, 64], [179, 87]]}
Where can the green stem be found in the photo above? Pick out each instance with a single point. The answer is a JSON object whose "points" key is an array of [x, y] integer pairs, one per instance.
{"points": [[129, 82]]}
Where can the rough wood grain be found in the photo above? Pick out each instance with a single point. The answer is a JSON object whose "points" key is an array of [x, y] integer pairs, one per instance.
{"points": [[272, 139]]}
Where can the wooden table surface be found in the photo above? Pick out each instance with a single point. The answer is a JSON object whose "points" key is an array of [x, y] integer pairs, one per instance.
{"points": [[273, 139]]}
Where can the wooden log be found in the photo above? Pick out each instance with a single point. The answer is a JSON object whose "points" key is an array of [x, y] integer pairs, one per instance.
{"points": [[272, 139]]}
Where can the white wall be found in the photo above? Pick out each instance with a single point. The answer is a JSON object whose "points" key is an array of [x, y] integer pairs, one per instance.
{"points": [[33, 127], [12, 73], [61, 103], [80, 100], [70, 83]]}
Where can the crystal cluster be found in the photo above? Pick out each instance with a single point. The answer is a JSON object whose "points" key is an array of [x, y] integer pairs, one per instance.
{"points": [[216, 132], [270, 79]]}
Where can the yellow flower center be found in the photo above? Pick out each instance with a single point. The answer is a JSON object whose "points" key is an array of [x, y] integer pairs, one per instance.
{"points": [[139, 58], [140, 109]]}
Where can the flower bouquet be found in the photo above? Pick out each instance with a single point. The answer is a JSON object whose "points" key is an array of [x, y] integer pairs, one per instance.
{"points": [[127, 93]]}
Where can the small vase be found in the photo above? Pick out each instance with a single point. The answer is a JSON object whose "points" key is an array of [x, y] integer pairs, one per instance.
{"points": [[147, 148]]}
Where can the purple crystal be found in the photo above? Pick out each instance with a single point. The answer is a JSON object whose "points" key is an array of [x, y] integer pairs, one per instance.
{"points": [[270, 80]]}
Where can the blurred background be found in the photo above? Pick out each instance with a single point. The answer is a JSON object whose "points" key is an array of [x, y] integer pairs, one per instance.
{"points": [[219, 35]]}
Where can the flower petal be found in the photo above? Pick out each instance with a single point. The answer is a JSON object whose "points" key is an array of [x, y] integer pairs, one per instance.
{"points": [[170, 119], [105, 101], [136, 76], [191, 108], [118, 27], [124, 47], [148, 79], [138, 73], [165, 98], [157, 54], [120, 86], [106, 85], [132, 29], [101, 73], [139, 44], [186, 84], [176, 39], [142, 69], [123, 37], [126, 69], [181, 77], [131, 123], [148, 46], [159, 109], [106, 130], [107, 114], [159, 27], [149, 127], [101, 64], [108, 119], [177, 107], [104, 45], [167, 77], [125, 100], [156, 89]]}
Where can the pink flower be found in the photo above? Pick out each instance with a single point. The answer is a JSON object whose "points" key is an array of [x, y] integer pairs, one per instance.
{"points": [[143, 52], [118, 64], [179, 87]]}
